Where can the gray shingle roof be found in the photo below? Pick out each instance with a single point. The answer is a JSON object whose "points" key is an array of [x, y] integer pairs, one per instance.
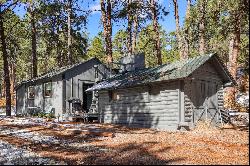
{"points": [[175, 70], [54, 72]]}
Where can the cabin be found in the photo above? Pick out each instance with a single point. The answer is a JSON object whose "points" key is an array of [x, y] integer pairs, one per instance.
{"points": [[53, 91], [172, 96]]}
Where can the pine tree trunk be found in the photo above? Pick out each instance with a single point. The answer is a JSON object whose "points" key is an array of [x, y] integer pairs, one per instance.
{"points": [[107, 28], [58, 49], [34, 52], [6, 68], [186, 32], [69, 11], [156, 31], [129, 29], [202, 8], [104, 22], [177, 24], [234, 50], [135, 31]]}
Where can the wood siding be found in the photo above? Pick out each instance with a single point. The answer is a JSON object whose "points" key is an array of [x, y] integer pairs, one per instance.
{"points": [[45, 103], [204, 82], [221, 97], [156, 106], [21, 98], [74, 80], [64, 86]]}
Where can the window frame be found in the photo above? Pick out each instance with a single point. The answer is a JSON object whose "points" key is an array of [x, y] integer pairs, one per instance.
{"points": [[44, 89], [29, 97], [112, 94]]}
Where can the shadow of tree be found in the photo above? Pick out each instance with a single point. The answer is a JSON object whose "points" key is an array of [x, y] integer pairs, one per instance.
{"points": [[125, 154]]}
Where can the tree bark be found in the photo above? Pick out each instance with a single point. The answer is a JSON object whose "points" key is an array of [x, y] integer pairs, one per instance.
{"points": [[6, 68], [69, 11], [107, 28], [129, 29], [33, 34], [58, 48], [202, 42], [156, 31], [234, 50], [186, 31], [177, 24], [135, 31]]}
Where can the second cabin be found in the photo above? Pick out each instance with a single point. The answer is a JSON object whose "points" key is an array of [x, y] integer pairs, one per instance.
{"points": [[170, 97]]}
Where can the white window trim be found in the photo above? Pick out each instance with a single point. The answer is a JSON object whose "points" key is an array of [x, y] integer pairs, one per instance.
{"points": [[29, 92], [44, 89]]}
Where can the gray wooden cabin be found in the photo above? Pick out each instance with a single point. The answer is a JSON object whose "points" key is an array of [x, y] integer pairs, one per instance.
{"points": [[51, 91], [170, 97]]}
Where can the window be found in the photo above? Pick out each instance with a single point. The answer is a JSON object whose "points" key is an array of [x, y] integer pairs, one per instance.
{"points": [[48, 89], [31, 92], [113, 96]]}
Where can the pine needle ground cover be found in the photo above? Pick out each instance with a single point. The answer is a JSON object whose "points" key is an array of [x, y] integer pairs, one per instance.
{"points": [[47, 142]]}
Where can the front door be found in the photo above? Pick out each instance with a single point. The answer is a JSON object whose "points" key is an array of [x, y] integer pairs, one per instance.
{"points": [[87, 96]]}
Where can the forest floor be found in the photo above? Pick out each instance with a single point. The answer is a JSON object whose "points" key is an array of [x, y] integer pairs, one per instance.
{"points": [[36, 141]]}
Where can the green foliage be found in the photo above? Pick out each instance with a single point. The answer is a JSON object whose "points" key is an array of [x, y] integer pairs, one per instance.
{"points": [[44, 115], [96, 48], [51, 22], [120, 46], [146, 44], [220, 21]]}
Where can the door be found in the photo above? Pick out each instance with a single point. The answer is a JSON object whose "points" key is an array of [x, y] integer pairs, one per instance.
{"points": [[87, 96], [199, 94], [212, 102], [205, 96]]}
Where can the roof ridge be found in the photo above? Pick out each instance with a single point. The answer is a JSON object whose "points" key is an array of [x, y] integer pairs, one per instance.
{"points": [[56, 71]]}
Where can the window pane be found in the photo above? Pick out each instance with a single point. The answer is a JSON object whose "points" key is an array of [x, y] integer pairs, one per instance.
{"points": [[48, 86], [31, 92], [48, 89]]}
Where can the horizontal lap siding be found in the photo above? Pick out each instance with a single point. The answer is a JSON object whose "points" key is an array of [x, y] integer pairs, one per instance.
{"points": [[188, 95], [221, 98], [155, 107], [208, 74]]}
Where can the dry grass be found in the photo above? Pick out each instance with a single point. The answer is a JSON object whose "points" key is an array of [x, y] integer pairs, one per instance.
{"points": [[205, 145]]}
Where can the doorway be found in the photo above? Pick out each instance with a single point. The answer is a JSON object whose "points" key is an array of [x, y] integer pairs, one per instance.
{"points": [[205, 98], [86, 97]]}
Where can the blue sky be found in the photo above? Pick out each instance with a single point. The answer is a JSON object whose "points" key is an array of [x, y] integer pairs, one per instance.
{"points": [[94, 24]]}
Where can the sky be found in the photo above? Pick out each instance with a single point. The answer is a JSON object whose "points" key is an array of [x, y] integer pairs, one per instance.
{"points": [[94, 23]]}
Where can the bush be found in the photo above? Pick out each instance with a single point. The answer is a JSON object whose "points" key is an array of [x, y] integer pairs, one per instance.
{"points": [[41, 115]]}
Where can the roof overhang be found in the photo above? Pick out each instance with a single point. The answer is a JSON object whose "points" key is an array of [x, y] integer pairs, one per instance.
{"points": [[181, 73]]}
